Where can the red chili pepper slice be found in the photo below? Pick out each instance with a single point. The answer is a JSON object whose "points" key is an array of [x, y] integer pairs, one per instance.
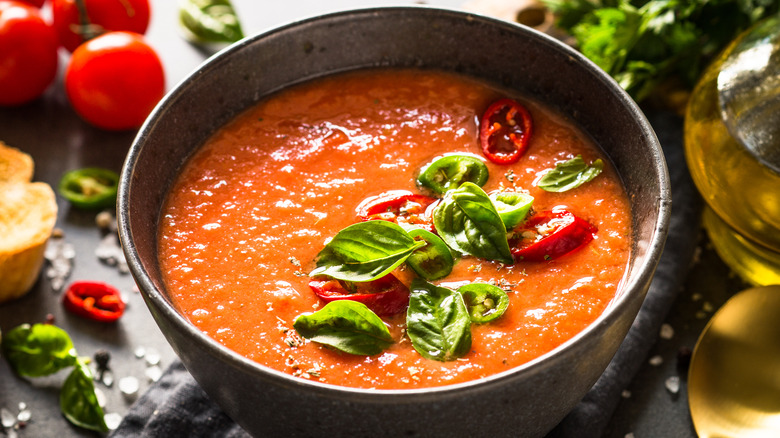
{"points": [[94, 300], [551, 234], [395, 206], [385, 296], [504, 131]]}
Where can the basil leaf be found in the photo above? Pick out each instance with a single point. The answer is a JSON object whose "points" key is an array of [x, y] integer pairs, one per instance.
{"points": [[438, 322], [365, 251], [468, 222], [570, 174], [78, 401], [347, 325], [210, 21], [485, 302], [38, 350]]}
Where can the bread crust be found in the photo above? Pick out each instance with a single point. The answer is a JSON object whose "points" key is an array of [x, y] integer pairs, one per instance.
{"points": [[28, 213]]}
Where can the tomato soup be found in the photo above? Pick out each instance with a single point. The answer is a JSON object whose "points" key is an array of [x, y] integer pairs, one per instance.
{"points": [[243, 224]]}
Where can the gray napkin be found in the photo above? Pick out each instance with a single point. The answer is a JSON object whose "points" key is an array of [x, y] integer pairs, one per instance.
{"points": [[176, 406]]}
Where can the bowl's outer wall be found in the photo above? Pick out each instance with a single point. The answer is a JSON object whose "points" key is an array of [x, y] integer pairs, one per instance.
{"points": [[266, 403]]}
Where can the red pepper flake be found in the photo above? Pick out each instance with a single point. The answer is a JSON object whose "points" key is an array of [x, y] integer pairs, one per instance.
{"points": [[94, 300]]}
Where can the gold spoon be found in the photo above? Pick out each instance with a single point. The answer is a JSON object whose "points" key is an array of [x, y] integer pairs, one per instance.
{"points": [[734, 375]]}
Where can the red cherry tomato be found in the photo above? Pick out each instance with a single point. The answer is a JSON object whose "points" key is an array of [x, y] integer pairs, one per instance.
{"points": [[37, 3], [28, 53], [77, 21], [115, 80], [504, 131], [396, 206], [384, 296], [550, 234], [94, 300]]}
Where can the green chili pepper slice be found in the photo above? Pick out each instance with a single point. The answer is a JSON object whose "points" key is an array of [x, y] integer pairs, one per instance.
{"points": [[434, 260], [450, 171], [90, 188], [485, 302], [513, 207]]}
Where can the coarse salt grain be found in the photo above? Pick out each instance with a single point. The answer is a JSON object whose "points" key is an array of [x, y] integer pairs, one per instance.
{"points": [[128, 385], [101, 397], [656, 360], [24, 416], [153, 373], [112, 420], [152, 357], [7, 418], [107, 378], [667, 331], [673, 384]]}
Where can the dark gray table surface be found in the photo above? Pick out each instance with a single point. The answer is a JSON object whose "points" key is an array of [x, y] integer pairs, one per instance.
{"points": [[59, 141]]}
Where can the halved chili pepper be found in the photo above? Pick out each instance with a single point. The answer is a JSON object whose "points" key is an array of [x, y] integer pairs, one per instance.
{"points": [[396, 206], [504, 131], [385, 296], [550, 234], [94, 300], [90, 188]]}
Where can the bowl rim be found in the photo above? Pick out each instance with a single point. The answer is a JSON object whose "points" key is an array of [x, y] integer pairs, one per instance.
{"points": [[629, 289]]}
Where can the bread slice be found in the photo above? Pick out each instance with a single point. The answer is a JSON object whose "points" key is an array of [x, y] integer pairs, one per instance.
{"points": [[15, 165], [28, 212]]}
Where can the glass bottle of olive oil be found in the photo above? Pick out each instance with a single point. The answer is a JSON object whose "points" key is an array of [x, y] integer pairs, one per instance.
{"points": [[732, 146]]}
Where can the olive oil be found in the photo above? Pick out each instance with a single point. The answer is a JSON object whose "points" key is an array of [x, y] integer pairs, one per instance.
{"points": [[741, 189]]}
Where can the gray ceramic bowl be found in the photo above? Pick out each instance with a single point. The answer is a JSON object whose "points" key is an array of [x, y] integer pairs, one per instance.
{"points": [[526, 401]]}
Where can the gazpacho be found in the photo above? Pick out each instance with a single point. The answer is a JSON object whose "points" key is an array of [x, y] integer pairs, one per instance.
{"points": [[395, 229]]}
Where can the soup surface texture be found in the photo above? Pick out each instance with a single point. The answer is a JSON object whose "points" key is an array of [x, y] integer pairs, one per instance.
{"points": [[244, 222]]}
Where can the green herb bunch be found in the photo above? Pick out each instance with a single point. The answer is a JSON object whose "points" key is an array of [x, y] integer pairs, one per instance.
{"points": [[43, 349], [646, 43]]}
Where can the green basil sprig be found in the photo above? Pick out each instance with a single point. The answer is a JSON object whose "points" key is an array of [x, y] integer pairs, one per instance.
{"points": [[210, 21], [570, 174], [43, 349], [438, 322], [468, 222], [38, 350], [346, 325], [365, 251]]}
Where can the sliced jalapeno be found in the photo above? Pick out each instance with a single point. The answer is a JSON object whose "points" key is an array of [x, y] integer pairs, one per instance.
{"points": [[485, 302], [90, 188], [450, 171], [434, 260], [512, 206]]}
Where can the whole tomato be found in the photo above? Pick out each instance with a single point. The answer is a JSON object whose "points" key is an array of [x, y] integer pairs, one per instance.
{"points": [[36, 3], [77, 21], [115, 80], [28, 53]]}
